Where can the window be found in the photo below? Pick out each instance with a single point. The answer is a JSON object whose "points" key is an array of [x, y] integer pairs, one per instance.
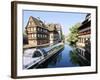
{"points": [[45, 36], [38, 29], [34, 29], [31, 29], [42, 35], [32, 35], [35, 35], [38, 35], [52, 36], [41, 29]]}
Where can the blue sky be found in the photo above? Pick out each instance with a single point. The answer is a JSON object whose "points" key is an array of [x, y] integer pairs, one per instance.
{"points": [[65, 19]]}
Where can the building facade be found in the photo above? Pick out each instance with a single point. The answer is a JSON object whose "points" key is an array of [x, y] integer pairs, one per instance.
{"points": [[84, 38], [85, 31], [41, 34], [54, 33], [37, 32]]}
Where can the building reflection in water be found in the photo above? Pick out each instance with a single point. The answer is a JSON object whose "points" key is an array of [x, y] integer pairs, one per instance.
{"points": [[74, 57], [77, 59]]}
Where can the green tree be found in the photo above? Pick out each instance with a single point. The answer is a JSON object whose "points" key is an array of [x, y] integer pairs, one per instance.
{"points": [[72, 38]]}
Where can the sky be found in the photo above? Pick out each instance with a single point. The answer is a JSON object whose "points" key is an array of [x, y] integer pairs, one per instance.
{"points": [[65, 19]]}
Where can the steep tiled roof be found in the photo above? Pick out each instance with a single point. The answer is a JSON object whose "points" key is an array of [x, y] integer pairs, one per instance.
{"points": [[35, 22], [51, 27]]}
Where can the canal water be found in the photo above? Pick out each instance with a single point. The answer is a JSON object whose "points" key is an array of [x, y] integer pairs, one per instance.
{"points": [[64, 58]]}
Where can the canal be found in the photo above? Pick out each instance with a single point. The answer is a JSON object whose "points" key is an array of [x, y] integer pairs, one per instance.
{"points": [[65, 58]]}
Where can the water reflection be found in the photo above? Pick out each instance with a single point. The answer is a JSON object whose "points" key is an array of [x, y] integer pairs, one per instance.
{"points": [[68, 57], [74, 57]]}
